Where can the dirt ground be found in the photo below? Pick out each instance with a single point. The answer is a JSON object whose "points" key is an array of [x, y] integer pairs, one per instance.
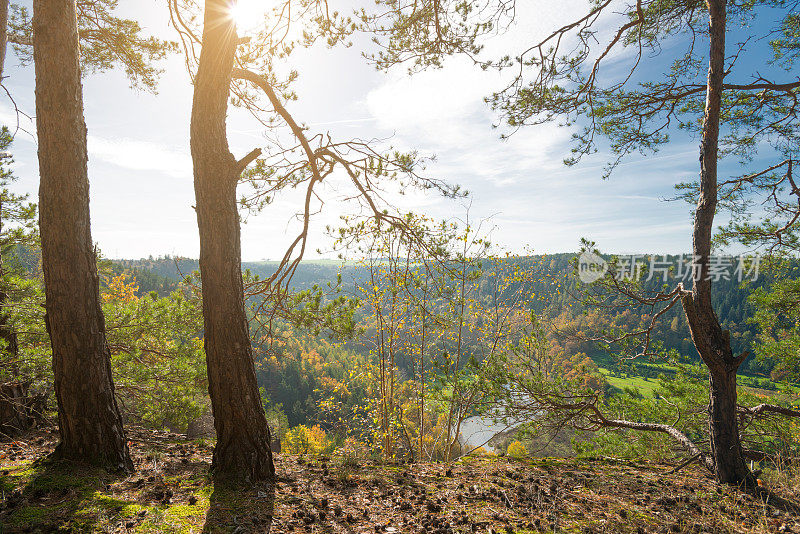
{"points": [[171, 491]]}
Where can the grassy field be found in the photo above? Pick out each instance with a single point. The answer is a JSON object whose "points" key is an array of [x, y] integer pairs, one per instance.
{"points": [[646, 386]]}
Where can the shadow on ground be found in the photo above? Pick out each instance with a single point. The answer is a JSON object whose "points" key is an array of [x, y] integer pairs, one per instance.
{"points": [[58, 494], [241, 510], [171, 491]]}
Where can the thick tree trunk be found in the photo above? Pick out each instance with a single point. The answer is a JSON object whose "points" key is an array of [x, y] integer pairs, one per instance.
{"points": [[89, 420], [729, 462], [242, 452], [711, 341]]}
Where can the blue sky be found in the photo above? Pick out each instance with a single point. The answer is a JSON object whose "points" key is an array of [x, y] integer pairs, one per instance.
{"points": [[141, 175]]}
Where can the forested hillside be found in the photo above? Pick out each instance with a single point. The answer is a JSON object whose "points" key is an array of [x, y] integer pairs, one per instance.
{"points": [[438, 377], [731, 300]]}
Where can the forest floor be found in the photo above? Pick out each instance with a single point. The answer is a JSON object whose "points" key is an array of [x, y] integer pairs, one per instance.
{"points": [[171, 491]]}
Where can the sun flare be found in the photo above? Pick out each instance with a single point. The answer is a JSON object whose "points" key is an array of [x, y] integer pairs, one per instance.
{"points": [[249, 14]]}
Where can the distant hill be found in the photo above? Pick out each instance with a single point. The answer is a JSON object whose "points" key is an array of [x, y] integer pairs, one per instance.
{"points": [[172, 268], [730, 296]]}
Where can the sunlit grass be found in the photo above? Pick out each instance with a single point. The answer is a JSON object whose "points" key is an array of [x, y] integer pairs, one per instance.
{"points": [[645, 386]]}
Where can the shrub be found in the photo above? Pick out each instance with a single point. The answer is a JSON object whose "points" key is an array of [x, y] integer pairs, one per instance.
{"points": [[483, 451], [516, 450], [304, 440], [352, 453]]}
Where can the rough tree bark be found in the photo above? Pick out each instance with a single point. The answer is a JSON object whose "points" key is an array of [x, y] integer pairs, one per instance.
{"points": [[89, 420], [711, 341], [242, 452]]}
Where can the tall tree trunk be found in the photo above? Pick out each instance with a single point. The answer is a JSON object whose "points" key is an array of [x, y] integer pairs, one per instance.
{"points": [[242, 452], [89, 420], [711, 341]]}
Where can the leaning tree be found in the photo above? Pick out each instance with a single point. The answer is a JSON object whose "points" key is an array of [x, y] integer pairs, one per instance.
{"points": [[245, 70], [596, 73]]}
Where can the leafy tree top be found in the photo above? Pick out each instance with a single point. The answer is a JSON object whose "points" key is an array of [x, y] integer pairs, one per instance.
{"points": [[107, 42]]}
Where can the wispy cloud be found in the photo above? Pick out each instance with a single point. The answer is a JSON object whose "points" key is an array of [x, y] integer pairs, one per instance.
{"points": [[141, 156], [434, 97], [537, 201], [123, 152], [444, 112]]}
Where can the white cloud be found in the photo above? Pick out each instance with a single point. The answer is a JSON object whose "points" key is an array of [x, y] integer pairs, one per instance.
{"points": [[443, 111], [430, 97], [140, 155], [124, 152]]}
